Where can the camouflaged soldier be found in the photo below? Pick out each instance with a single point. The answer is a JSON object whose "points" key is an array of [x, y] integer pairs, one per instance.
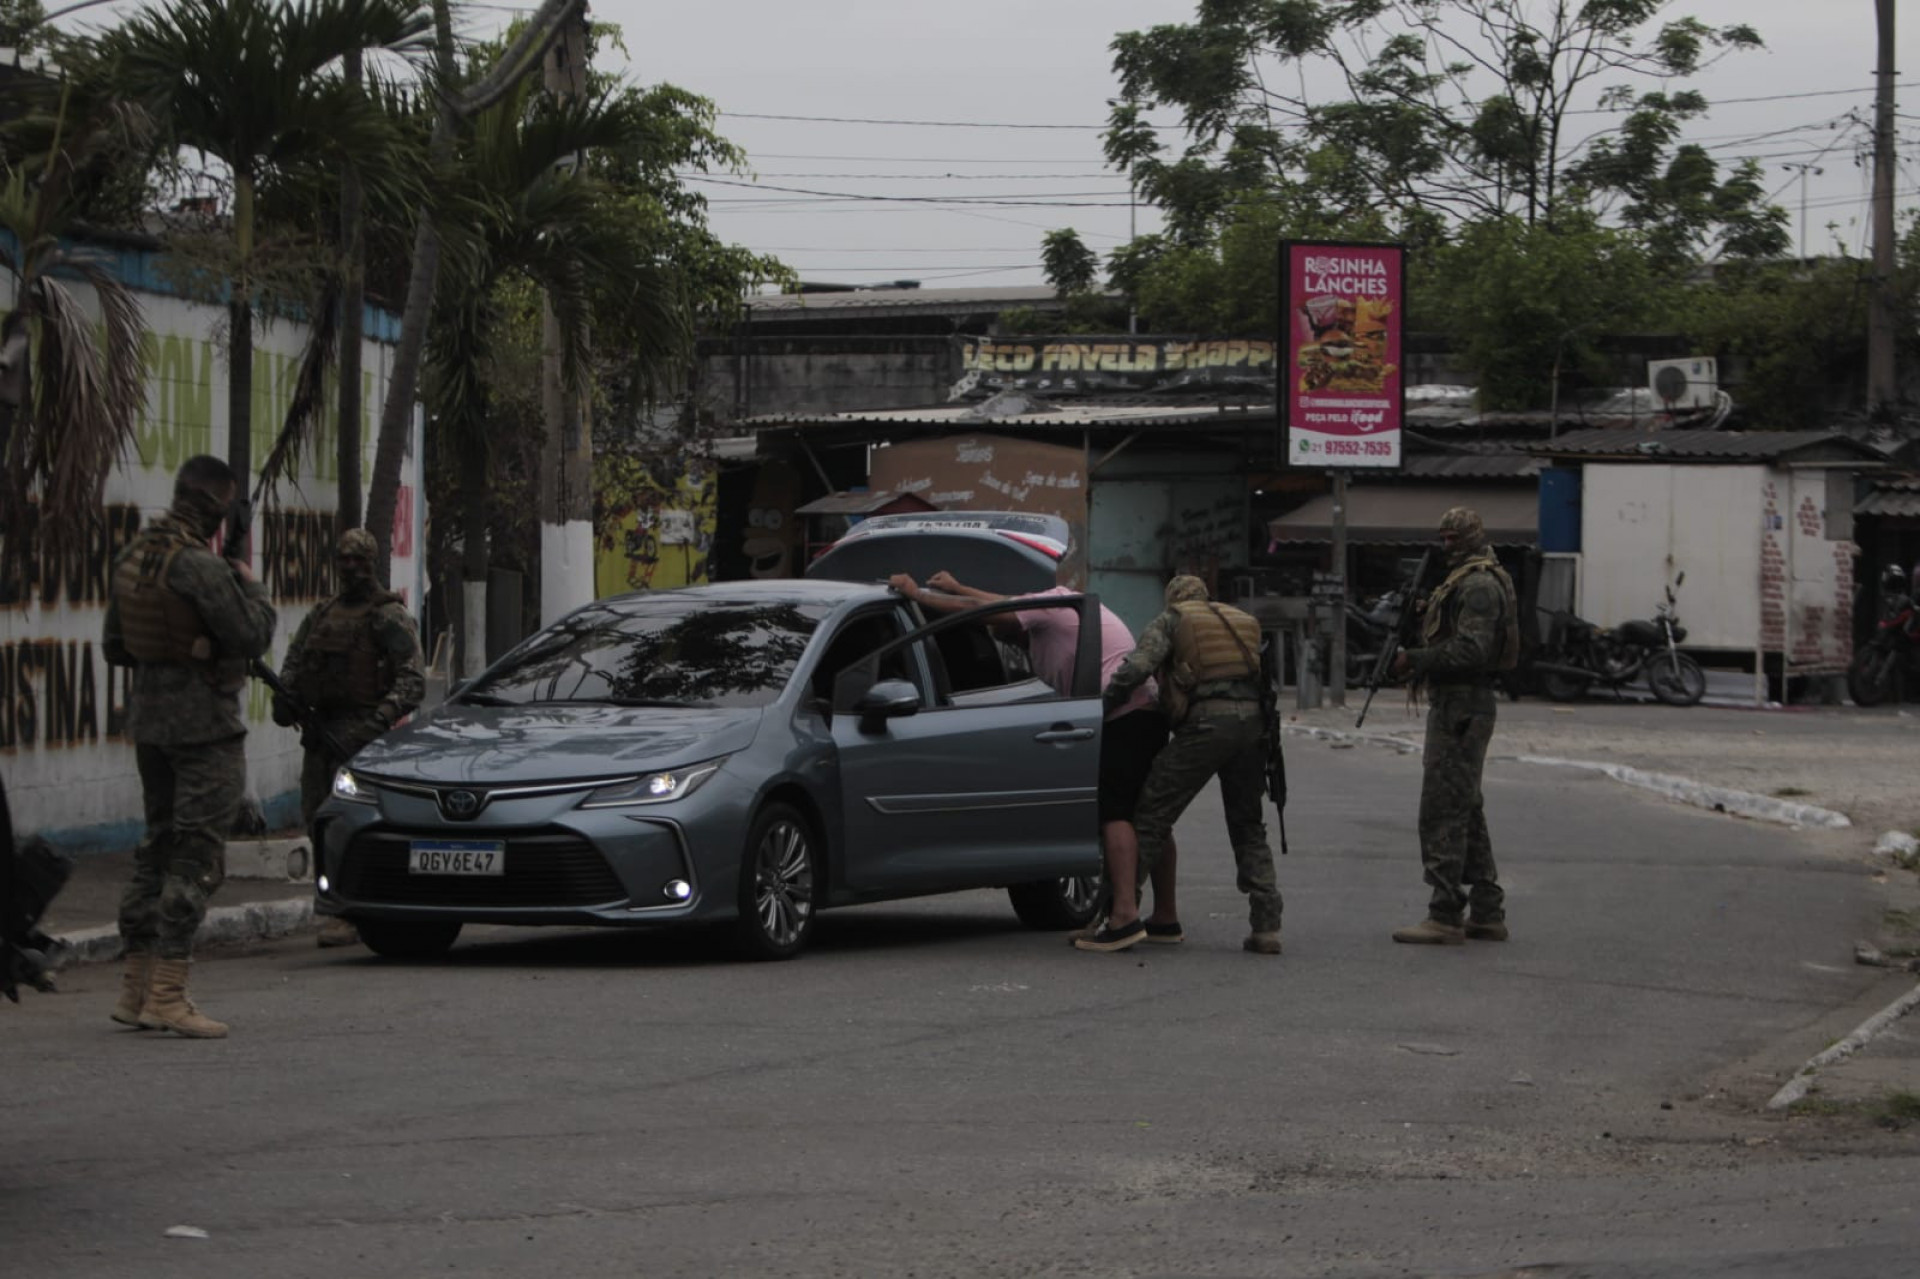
{"points": [[187, 622], [1470, 632], [1207, 659], [355, 662]]}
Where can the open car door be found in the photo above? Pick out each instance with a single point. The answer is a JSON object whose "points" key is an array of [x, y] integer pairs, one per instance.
{"points": [[978, 772]]}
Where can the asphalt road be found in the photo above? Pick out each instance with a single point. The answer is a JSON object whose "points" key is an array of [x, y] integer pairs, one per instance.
{"points": [[934, 1091]]}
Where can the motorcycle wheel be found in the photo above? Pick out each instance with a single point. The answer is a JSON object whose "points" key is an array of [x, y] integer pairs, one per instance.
{"points": [[1563, 688], [1676, 679], [1872, 676]]}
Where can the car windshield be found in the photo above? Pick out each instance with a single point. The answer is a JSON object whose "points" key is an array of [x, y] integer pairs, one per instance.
{"points": [[673, 651]]}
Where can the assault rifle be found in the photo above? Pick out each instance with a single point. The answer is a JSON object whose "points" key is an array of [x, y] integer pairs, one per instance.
{"points": [[1401, 636], [304, 715]]}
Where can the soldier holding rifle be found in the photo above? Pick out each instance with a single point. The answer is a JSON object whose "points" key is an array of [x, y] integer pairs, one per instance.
{"points": [[1206, 658], [187, 622], [353, 669], [1469, 631]]}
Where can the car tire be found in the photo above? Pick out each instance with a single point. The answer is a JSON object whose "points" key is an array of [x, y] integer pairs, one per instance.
{"points": [[1057, 905], [780, 884], [393, 939]]}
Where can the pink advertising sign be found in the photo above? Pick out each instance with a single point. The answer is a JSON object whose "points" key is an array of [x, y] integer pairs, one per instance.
{"points": [[1340, 385]]}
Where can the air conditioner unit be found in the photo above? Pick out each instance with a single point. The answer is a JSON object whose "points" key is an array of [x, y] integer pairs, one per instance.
{"points": [[1684, 384]]}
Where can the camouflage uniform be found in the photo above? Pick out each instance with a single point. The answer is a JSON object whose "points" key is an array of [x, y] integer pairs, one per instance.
{"points": [[1219, 734], [183, 714], [356, 662], [1470, 631]]}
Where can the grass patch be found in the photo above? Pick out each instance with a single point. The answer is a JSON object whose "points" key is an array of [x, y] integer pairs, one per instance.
{"points": [[1892, 1112], [1791, 792], [1902, 921]]}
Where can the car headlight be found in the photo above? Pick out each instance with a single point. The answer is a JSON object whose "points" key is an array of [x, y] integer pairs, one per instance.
{"points": [[347, 788], [654, 788]]}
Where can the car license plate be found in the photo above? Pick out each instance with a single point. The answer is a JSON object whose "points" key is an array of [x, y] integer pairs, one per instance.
{"points": [[457, 856]]}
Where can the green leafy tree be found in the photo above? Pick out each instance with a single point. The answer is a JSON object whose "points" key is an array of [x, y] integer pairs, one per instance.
{"points": [[257, 87], [1068, 264], [1792, 336], [1521, 301], [71, 388], [1455, 106]]}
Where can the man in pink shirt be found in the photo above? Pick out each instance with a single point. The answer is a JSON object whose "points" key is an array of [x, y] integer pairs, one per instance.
{"points": [[1132, 735]]}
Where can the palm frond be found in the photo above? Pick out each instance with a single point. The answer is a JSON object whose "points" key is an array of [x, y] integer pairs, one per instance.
{"points": [[304, 410], [84, 404]]}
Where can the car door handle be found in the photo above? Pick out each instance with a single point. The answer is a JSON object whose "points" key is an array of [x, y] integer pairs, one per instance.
{"points": [[1064, 733]]}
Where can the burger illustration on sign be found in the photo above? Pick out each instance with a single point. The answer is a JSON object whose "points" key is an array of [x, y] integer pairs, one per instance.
{"points": [[1348, 350]]}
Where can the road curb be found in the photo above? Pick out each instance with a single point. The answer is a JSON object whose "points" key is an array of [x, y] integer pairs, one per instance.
{"points": [[1865, 1033], [1720, 799], [223, 925]]}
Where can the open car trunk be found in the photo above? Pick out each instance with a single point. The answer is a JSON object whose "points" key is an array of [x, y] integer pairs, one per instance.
{"points": [[1006, 552]]}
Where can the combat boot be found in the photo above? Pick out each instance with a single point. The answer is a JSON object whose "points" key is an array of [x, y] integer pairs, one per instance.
{"points": [[1262, 943], [169, 1008], [133, 990], [1494, 930], [335, 931], [1431, 932]]}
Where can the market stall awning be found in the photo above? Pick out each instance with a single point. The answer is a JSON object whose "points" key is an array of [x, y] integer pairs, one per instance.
{"points": [[1410, 513]]}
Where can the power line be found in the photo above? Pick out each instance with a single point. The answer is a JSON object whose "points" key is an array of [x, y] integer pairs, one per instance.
{"points": [[1101, 128], [1058, 199], [932, 177], [932, 124]]}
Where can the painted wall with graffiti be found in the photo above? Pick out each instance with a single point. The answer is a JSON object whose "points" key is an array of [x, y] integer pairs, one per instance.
{"points": [[653, 522], [69, 770]]}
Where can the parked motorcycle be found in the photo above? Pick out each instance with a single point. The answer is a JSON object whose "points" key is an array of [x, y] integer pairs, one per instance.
{"points": [[1888, 664], [1580, 655]]}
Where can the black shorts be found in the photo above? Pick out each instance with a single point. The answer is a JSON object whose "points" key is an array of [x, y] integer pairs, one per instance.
{"points": [[1127, 747]]}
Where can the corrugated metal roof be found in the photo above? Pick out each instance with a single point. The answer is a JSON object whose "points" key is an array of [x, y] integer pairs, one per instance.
{"points": [[856, 503], [1890, 502], [1738, 446], [894, 301], [1410, 513], [1057, 415], [1472, 466]]}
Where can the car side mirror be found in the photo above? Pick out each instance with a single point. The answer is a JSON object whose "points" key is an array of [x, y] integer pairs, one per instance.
{"points": [[888, 699]]}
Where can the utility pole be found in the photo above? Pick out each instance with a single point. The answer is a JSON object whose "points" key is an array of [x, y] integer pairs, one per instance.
{"points": [[566, 464], [1803, 169], [353, 292], [1336, 682], [1882, 386]]}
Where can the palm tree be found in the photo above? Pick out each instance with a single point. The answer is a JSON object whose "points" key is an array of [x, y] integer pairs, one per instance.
{"points": [[258, 86], [522, 211], [71, 392]]}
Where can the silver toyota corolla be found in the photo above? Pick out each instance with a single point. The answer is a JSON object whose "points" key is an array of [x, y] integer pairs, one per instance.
{"points": [[751, 752]]}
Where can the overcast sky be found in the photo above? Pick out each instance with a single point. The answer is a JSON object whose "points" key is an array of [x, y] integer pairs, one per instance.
{"points": [[934, 66]]}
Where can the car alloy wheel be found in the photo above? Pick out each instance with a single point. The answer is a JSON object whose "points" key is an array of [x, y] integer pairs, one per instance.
{"points": [[777, 884], [1055, 905]]}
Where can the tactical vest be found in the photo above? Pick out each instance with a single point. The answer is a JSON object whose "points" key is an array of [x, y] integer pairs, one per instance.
{"points": [[1437, 617], [342, 666], [1212, 642], [157, 624]]}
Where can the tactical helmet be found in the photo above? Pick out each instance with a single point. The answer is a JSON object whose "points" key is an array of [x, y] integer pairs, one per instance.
{"points": [[1468, 533], [357, 541], [1184, 588]]}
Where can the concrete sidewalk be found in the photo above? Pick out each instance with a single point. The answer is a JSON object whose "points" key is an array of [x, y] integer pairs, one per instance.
{"points": [[268, 893]]}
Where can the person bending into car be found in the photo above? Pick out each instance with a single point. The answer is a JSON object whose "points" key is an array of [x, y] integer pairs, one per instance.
{"points": [[1132, 735]]}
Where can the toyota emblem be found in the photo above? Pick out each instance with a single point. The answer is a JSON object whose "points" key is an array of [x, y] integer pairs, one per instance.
{"points": [[461, 803]]}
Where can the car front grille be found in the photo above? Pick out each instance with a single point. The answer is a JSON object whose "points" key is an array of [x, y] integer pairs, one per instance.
{"points": [[543, 868]]}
